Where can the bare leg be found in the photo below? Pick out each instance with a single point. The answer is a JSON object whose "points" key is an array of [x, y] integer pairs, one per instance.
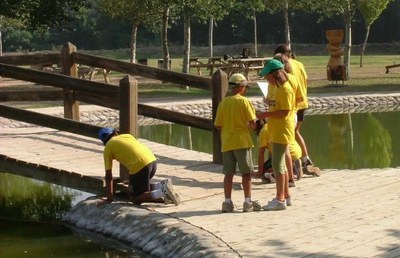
{"points": [[228, 182], [280, 187], [246, 182], [286, 187], [300, 140]]}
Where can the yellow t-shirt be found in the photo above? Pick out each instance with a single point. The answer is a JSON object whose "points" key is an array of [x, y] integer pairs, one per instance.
{"points": [[128, 151], [264, 139], [233, 116], [298, 92], [299, 71], [282, 129], [295, 150]]}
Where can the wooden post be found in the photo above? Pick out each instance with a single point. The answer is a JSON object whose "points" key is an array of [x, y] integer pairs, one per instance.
{"points": [[71, 105], [128, 112], [218, 90]]}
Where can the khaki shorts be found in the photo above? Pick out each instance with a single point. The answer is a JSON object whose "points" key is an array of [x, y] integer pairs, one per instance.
{"points": [[242, 157], [278, 158]]}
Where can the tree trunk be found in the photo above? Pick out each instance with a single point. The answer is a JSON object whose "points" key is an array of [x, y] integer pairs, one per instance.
{"points": [[186, 43], [211, 38], [287, 26], [133, 42], [1, 43], [347, 47], [164, 37], [1, 37], [255, 33], [364, 46]]}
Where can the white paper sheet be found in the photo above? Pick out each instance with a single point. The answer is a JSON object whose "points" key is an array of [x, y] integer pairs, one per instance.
{"points": [[263, 87]]}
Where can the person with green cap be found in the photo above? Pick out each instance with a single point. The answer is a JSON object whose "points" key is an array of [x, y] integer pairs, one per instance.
{"points": [[298, 70], [281, 115], [142, 166], [236, 118]]}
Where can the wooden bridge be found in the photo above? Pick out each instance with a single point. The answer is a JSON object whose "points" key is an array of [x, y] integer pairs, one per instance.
{"points": [[340, 214], [123, 98]]}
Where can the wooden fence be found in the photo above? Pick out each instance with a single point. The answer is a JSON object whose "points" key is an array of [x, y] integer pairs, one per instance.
{"points": [[122, 97]]}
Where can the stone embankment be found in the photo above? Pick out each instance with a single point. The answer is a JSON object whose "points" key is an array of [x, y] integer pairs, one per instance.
{"points": [[157, 234], [202, 107]]}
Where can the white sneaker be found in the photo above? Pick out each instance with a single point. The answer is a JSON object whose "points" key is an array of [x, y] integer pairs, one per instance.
{"points": [[168, 190], [275, 205], [270, 177]]}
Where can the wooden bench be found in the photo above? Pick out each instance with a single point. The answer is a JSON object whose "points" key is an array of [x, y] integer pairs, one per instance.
{"points": [[388, 67], [90, 72]]}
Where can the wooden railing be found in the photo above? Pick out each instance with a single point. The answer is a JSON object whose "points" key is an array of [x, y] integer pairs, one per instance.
{"points": [[123, 97]]}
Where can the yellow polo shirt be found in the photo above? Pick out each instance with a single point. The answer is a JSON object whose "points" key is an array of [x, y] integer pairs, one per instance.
{"points": [[233, 116], [128, 151], [299, 71], [282, 129]]}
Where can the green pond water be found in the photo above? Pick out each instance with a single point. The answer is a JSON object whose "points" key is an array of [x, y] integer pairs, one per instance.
{"points": [[334, 141], [29, 227]]}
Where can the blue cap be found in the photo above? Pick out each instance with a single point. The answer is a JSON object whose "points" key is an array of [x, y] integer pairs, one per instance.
{"points": [[105, 133]]}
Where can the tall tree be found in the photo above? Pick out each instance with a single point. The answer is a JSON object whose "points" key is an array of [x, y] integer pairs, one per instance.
{"points": [[370, 10], [199, 11], [37, 14], [250, 9], [135, 11], [285, 6]]}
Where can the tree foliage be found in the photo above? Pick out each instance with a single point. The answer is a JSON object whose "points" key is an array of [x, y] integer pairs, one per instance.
{"points": [[41, 14], [370, 10]]}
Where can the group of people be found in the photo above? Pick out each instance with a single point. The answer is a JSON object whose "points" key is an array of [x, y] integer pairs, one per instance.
{"points": [[278, 129]]}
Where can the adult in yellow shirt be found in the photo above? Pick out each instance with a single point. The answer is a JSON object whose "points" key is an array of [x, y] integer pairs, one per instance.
{"points": [[142, 166], [235, 118], [281, 107]]}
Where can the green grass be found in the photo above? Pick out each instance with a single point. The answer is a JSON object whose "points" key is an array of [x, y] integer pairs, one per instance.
{"points": [[372, 77]]}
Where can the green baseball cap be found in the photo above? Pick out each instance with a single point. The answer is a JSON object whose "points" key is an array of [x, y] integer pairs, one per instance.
{"points": [[270, 66]]}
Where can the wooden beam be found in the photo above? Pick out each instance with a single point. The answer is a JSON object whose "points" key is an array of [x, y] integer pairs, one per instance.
{"points": [[175, 117], [71, 104], [31, 95], [32, 59], [59, 81], [219, 90], [58, 123], [143, 70], [52, 175]]}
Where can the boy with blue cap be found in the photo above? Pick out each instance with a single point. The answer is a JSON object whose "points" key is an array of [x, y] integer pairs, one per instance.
{"points": [[141, 164]]}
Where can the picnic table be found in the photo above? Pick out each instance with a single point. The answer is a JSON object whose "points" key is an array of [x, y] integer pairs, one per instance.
{"points": [[210, 64], [245, 65]]}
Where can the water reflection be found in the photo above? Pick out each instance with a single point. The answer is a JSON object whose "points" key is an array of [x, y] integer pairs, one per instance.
{"points": [[334, 141], [29, 210], [21, 198]]}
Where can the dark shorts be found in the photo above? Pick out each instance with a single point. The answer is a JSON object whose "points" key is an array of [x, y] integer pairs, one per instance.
{"points": [[300, 115], [140, 182]]}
